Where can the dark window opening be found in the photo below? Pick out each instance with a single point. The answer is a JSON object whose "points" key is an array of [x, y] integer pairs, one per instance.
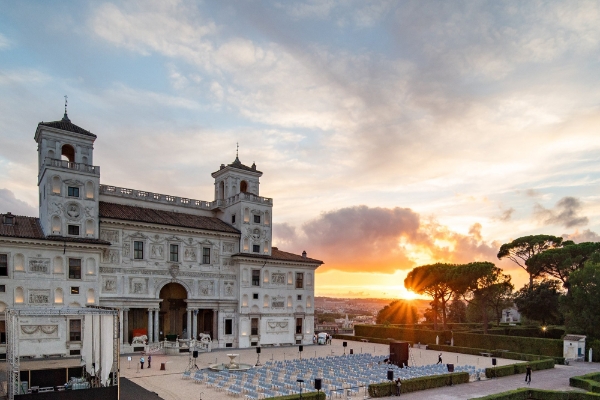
{"points": [[138, 250], [254, 326], [256, 277], [206, 255], [74, 289], [229, 327], [256, 248], [299, 326], [255, 296], [299, 280], [299, 297], [73, 191], [75, 330], [174, 254], [3, 332], [73, 230], [243, 187], [68, 153], [2, 288], [74, 268], [233, 219], [257, 219], [3, 264]]}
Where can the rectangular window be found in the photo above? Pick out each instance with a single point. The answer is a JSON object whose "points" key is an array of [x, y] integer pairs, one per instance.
{"points": [[233, 219], [257, 219], [229, 327], [3, 264], [299, 297], [2, 332], [2, 288], [74, 268], [256, 277], [74, 289], [254, 326], [75, 330], [206, 255], [256, 248], [174, 254], [255, 296], [299, 326], [138, 250], [299, 280], [73, 191], [73, 230]]}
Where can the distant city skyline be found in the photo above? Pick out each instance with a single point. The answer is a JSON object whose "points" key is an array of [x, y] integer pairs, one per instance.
{"points": [[390, 134]]}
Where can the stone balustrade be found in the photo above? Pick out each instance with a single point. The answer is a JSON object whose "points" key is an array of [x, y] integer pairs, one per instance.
{"points": [[90, 169]]}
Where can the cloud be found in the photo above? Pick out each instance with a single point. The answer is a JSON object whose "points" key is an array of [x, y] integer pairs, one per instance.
{"points": [[584, 236], [5, 43], [9, 203], [505, 215], [565, 213], [365, 239]]}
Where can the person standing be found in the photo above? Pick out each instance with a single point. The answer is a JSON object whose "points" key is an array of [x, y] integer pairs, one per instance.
{"points": [[398, 387], [439, 359], [149, 360], [142, 362], [528, 374]]}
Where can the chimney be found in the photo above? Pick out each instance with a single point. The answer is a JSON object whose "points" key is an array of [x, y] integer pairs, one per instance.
{"points": [[304, 254]]}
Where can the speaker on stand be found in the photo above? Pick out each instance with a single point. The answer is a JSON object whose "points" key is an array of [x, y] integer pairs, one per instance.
{"points": [[494, 367], [258, 364], [318, 386], [345, 344]]}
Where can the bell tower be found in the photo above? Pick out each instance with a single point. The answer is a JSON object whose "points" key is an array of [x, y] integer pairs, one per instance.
{"points": [[68, 181], [237, 196]]}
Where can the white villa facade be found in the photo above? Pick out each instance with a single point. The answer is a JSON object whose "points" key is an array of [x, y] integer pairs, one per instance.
{"points": [[173, 267]]}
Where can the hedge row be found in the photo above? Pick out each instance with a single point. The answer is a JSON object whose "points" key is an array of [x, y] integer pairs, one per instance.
{"points": [[544, 347], [386, 389], [538, 394], [359, 338], [520, 368], [551, 333], [589, 382], [307, 396], [457, 349]]}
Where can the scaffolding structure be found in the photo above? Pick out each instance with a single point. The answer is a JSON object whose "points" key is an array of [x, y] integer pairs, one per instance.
{"points": [[12, 317]]}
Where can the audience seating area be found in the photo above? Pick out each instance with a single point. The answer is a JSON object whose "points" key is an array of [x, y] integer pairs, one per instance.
{"points": [[341, 376]]}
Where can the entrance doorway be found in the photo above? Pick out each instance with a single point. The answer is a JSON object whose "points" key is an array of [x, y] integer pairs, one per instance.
{"points": [[172, 317]]}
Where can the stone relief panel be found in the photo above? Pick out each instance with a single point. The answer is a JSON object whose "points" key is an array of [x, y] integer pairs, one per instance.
{"points": [[38, 265], [33, 332], [110, 256], [109, 235], [109, 284], [278, 278], [277, 326], [73, 211], [138, 285], [126, 250], [278, 302], [157, 251], [207, 288], [228, 288], [189, 254], [228, 247], [39, 297]]}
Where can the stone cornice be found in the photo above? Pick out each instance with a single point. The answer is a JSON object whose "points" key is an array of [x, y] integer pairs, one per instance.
{"points": [[162, 228], [165, 272]]}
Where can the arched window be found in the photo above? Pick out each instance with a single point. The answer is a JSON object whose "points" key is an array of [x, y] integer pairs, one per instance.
{"points": [[58, 296], [290, 278], [56, 225], [91, 296], [246, 215], [267, 218], [243, 186], [266, 302], [289, 302], [84, 160], [245, 300], [90, 266], [19, 263], [89, 190], [58, 265], [89, 227], [266, 248], [56, 184], [50, 154], [19, 295], [266, 276], [68, 153], [221, 190], [308, 302], [246, 244]]}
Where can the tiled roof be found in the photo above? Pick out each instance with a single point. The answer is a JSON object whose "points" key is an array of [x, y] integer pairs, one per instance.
{"points": [[29, 228], [574, 338], [23, 227], [238, 164], [154, 216], [65, 124], [277, 254]]}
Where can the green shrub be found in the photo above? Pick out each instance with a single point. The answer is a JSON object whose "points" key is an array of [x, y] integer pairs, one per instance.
{"points": [[589, 382], [499, 372], [518, 394], [538, 394], [307, 396], [386, 389], [456, 349], [519, 368]]}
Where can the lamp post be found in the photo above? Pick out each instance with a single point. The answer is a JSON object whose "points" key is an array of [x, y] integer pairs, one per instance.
{"points": [[300, 381], [544, 328]]}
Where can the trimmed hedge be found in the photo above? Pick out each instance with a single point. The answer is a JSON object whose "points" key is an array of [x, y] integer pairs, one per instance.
{"points": [[386, 389], [457, 349], [406, 334], [538, 394], [551, 333], [519, 368], [589, 382], [359, 338], [307, 396]]}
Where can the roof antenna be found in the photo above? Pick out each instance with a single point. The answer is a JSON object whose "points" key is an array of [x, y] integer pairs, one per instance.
{"points": [[66, 118], [237, 151]]}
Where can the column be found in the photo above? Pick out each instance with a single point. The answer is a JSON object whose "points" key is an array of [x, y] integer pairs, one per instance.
{"points": [[215, 325], [195, 324], [125, 337], [150, 336], [156, 327], [189, 323], [121, 324]]}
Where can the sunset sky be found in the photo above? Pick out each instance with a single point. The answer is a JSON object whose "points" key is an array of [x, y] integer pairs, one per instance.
{"points": [[391, 134]]}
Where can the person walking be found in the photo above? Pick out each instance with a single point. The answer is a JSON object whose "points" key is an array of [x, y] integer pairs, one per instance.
{"points": [[439, 359], [398, 387], [142, 362], [149, 360], [528, 374]]}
